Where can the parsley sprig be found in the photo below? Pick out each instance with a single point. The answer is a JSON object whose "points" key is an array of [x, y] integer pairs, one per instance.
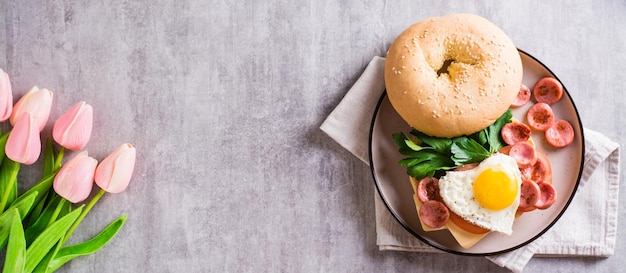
{"points": [[428, 156]]}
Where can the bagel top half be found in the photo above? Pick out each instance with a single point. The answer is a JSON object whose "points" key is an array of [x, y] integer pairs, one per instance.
{"points": [[452, 75]]}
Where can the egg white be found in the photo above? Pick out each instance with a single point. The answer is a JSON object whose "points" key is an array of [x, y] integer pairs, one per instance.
{"points": [[457, 191]]}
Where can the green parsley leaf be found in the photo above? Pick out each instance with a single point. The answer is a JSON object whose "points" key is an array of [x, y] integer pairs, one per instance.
{"points": [[435, 162], [493, 131], [480, 137], [441, 145], [412, 145], [402, 141], [466, 150], [434, 155]]}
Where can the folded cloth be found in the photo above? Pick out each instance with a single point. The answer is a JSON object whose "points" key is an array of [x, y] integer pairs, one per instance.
{"points": [[573, 235]]}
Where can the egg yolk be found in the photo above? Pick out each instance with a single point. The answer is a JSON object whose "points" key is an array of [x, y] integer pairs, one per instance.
{"points": [[495, 190]]}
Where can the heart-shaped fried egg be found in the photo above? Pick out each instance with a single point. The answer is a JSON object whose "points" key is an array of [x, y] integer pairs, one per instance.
{"points": [[488, 195]]}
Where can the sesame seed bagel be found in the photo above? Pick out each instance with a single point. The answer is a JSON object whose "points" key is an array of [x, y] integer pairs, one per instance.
{"points": [[452, 75]]}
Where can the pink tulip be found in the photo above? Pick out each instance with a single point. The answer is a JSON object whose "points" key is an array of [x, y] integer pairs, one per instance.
{"points": [[6, 96], [24, 143], [114, 172], [73, 129], [37, 102], [75, 179]]}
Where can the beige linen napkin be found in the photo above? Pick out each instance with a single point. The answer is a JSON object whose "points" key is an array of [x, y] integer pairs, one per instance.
{"points": [[575, 234]]}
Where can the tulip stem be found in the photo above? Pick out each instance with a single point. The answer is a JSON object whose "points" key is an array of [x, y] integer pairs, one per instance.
{"points": [[57, 163], [56, 212], [82, 215]]}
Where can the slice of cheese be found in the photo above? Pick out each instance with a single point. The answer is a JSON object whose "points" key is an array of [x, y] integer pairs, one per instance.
{"points": [[464, 238]]}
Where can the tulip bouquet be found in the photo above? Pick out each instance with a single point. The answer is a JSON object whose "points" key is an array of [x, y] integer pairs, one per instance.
{"points": [[36, 224]]}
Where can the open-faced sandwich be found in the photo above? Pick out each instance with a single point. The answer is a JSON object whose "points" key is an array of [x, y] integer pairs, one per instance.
{"points": [[473, 167]]}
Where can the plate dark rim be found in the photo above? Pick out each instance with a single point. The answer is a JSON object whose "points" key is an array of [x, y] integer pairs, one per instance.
{"points": [[407, 228]]}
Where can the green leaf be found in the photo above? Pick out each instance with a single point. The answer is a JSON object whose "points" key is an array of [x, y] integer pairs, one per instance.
{"points": [[42, 267], [3, 143], [43, 186], [493, 131], [434, 154], [49, 159], [410, 161], [24, 203], [68, 253], [424, 160], [5, 226], [412, 145], [86, 210], [36, 210], [15, 259], [399, 139], [481, 137], [441, 145], [402, 141], [55, 209], [48, 239], [466, 150], [430, 164], [8, 182]]}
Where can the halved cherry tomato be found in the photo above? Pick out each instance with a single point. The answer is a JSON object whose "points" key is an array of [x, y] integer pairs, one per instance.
{"points": [[466, 167], [505, 150], [465, 225]]}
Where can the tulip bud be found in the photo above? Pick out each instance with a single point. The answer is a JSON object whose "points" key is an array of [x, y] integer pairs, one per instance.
{"points": [[6, 96], [114, 172], [24, 142], [73, 129], [75, 178], [37, 102]]}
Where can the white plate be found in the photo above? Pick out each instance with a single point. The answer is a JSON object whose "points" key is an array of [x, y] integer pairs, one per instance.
{"points": [[393, 185]]}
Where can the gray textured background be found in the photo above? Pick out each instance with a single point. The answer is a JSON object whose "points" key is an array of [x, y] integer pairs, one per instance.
{"points": [[223, 100]]}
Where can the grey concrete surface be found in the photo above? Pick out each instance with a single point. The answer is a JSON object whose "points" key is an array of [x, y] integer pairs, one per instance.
{"points": [[223, 100]]}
